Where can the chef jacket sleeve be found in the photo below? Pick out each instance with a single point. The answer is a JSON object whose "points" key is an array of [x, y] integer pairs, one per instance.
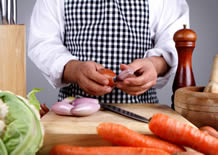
{"points": [[173, 14], [45, 47]]}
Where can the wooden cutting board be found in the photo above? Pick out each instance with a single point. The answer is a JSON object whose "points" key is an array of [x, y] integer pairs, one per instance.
{"points": [[81, 131]]}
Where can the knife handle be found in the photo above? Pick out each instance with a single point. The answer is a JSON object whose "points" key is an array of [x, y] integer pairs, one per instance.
{"points": [[4, 9], [14, 12]]}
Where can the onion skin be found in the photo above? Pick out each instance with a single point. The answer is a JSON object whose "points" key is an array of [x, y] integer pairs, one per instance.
{"points": [[62, 108], [125, 74], [69, 100], [43, 110], [85, 109], [85, 100]]}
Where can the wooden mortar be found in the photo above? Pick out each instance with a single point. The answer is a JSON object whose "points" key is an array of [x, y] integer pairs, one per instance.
{"points": [[197, 106]]}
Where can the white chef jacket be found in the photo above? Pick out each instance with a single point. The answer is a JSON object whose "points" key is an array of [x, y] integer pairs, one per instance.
{"points": [[46, 36]]}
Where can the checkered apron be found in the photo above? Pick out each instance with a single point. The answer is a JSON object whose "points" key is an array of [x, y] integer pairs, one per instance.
{"points": [[109, 32]]}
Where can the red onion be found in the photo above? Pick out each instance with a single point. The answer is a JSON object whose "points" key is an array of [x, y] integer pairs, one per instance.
{"points": [[62, 108], [85, 109], [76, 107], [69, 100], [85, 100]]}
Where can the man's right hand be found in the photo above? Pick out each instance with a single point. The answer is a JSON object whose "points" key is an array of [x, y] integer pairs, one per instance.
{"points": [[86, 75]]}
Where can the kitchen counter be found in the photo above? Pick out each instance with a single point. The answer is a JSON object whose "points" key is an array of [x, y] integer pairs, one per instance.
{"points": [[81, 131]]}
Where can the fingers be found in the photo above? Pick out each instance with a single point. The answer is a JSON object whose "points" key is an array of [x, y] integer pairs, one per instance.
{"points": [[95, 76], [89, 70], [139, 80], [123, 67], [90, 80], [139, 84], [94, 83], [211, 131], [145, 77], [93, 88], [136, 89]]}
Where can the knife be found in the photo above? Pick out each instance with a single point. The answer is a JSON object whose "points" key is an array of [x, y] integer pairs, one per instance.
{"points": [[4, 11], [9, 11], [124, 113], [13, 19]]}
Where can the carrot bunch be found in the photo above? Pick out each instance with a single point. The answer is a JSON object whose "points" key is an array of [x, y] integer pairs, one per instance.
{"points": [[122, 136], [174, 135], [172, 132], [183, 134], [104, 150]]}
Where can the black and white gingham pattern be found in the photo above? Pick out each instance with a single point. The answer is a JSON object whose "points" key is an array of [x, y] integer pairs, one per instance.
{"points": [[109, 32]]}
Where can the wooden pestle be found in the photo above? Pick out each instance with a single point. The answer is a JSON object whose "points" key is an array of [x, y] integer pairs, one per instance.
{"points": [[212, 86]]}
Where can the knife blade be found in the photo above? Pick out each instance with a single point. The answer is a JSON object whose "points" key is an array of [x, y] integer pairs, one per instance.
{"points": [[9, 11], [124, 113]]}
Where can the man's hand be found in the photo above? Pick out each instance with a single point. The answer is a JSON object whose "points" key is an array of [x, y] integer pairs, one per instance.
{"points": [[146, 70], [86, 75]]}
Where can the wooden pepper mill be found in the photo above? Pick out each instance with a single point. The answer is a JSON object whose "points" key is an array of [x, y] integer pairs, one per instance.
{"points": [[185, 44]]}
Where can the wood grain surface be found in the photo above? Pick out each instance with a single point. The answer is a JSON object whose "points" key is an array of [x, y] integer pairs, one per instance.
{"points": [[13, 59], [200, 108], [81, 131], [212, 86]]}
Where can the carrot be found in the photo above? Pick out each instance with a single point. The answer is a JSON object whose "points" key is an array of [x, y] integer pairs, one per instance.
{"points": [[104, 150], [188, 153], [120, 135], [211, 131], [183, 134]]}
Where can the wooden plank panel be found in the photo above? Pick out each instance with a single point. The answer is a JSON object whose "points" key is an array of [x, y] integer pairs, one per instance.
{"points": [[13, 59]]}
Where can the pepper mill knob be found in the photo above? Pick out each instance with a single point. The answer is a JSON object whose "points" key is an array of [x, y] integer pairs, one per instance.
{"points": [[185, 37], [185, 43]]}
